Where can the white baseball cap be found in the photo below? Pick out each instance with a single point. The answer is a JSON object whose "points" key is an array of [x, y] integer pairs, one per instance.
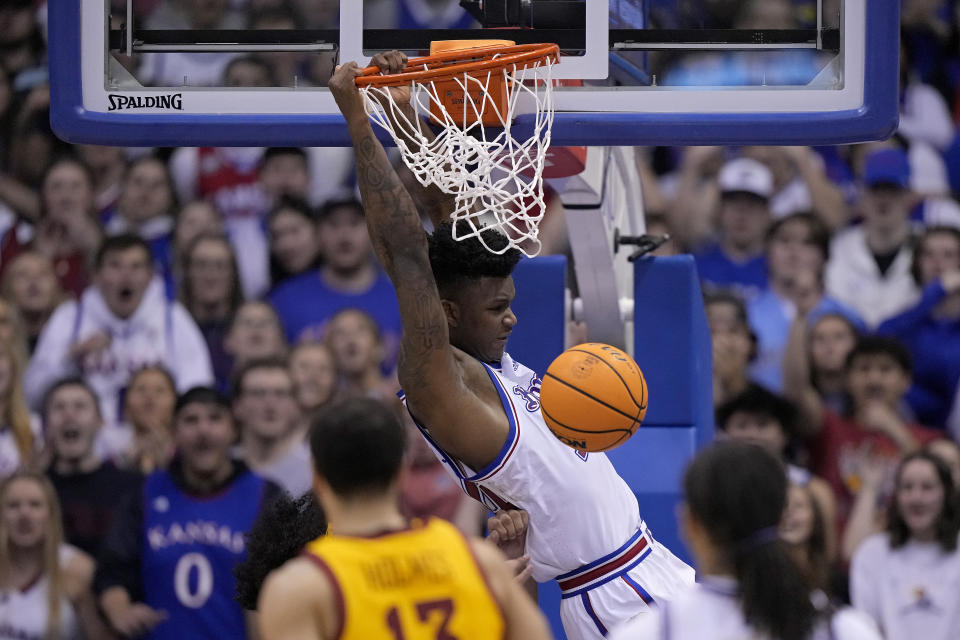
{"points": [[747, 176]]}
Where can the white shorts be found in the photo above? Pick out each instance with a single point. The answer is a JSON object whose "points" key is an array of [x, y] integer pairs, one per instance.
{"points": [[619, 586]]}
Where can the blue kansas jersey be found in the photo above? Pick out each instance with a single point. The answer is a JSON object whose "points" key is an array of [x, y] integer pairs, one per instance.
{"points": [[191, 545]]}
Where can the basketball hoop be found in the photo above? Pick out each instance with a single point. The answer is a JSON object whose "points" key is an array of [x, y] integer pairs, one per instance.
{"points": [[472, 93]]}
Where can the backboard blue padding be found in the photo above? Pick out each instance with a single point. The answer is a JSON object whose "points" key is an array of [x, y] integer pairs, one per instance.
{"points": [[654, 458], [876, 118], [672, 341], [540, 332]]}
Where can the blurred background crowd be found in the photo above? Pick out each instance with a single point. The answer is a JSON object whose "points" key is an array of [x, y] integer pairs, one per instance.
{"points": [[246, 277]]}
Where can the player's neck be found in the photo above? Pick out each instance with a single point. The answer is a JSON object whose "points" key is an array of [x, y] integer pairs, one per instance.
{"points": [[367, 516], [712, 563]]}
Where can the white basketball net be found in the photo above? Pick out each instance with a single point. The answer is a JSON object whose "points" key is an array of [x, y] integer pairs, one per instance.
{"points": [[495, 177]]}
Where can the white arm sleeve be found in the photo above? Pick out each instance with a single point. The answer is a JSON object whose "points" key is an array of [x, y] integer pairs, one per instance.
{"points": [[191, 366], [50, 362]]}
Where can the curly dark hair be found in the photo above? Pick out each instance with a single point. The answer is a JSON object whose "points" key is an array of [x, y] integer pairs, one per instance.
{"points": [[279, 534], [456, 262]]}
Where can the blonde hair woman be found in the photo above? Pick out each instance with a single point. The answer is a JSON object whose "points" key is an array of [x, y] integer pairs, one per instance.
{"points": [[44, 583], [19, 437]]}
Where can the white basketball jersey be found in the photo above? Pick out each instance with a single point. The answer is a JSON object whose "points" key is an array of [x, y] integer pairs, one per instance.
{"points": [[711, 611], [580, 508], [23, 612]]}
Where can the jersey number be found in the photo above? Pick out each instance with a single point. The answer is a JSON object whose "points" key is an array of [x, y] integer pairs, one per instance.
{"points": [[424, 609], [198, 596]]}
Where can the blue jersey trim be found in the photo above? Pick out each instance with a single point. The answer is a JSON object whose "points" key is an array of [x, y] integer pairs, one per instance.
{"points": [[606, 558], [512, 436], [646, 597], [585, 599], [613, 576], [447, 459]]}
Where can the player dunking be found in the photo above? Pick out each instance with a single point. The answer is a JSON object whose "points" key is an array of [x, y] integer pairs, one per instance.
{"points": [[479, 409], [376, 577]]}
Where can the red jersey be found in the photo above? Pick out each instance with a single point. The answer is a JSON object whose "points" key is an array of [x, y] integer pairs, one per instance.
{"points": [[233, 188], [71, 270], [842, 443]]}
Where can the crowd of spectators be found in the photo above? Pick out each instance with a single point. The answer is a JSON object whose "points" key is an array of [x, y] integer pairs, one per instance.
{"points": [[832, 284], [172, 319]]}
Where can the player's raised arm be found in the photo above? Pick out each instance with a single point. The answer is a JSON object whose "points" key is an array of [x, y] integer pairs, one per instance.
{"points": [[426, 369], [399, 240], [429, 199]]}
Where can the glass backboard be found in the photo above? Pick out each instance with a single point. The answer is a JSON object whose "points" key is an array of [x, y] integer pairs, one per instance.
{"points": [[632, 71]]}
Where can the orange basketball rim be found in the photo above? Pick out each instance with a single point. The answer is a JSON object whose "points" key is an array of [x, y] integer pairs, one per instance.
{"points": [[490, 64], [446, 65]]}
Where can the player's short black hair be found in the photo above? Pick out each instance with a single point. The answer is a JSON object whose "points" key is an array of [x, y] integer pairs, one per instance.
{"points": [[357, 446], [122, 242], [279, 533], [881, 345], [456, 262], [757, 401]]}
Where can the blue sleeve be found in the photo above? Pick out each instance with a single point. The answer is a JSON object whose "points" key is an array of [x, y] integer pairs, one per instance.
{"points": [[906, 322]]}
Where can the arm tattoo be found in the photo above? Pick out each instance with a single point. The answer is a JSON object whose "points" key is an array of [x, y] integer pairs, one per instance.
{"points": [[401, 243]]}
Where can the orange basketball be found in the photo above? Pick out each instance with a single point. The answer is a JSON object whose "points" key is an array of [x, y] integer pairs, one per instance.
{"points": [[593, 397]]}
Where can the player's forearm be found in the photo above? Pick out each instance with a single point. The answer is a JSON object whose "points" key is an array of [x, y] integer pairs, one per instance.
{"points": [[392, 218], [430, 200]]}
